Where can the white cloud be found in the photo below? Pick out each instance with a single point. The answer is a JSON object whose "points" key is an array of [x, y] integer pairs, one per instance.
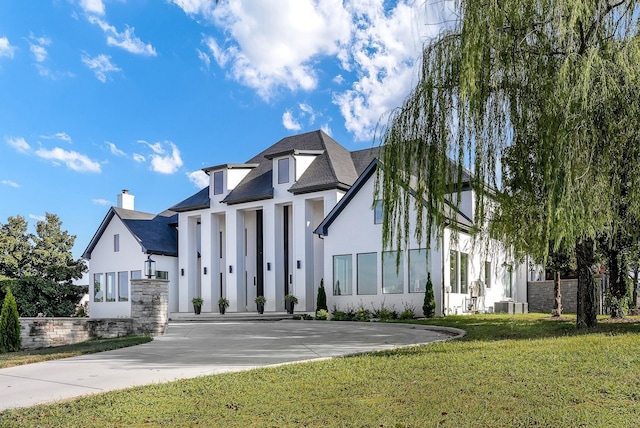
{"points": [[100, 65], [5, 48], [115, 150], [274, 44], [101, 202], [289, 122], [326, 129], [62, 136], [10, 183], [308, 111], [338, 80], [73, 160], [206, 60], [92, 6], [199, 178], [20, 144], [139, 158], [195, 7], [37, 217], [156, 147], [37, 46], [126, 40], [166, 163]]}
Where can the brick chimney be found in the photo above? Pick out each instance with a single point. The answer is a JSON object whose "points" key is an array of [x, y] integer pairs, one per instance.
{"points": [[125, 200]]}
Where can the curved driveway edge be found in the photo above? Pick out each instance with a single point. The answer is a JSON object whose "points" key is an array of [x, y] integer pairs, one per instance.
{"points": [[196, 349]]}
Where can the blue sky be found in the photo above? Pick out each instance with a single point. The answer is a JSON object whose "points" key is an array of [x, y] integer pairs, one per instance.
{"points": [[97, 96]]}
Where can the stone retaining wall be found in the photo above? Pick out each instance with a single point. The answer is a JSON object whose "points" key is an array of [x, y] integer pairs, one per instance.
{"points": [[149, 315], [540, 296]]}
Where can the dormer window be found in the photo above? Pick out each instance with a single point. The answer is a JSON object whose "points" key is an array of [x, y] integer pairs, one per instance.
{"points": [[283, 170], [218, 183]]}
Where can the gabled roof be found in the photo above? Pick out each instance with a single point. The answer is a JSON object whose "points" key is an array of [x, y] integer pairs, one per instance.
{"points": [[155, 233], [455, 216], [195, 202]]}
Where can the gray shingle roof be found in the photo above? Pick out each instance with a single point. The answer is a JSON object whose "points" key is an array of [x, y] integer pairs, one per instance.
{"points": [[195, 202]]}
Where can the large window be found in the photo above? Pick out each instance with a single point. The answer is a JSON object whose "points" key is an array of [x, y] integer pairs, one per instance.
{"points": [[342, 275], [218, 184], [111, 286], [377, 212], [453, 271], [368, 273], [283, 170], [464, 273], [487, 274], [123, 286], [98, 287], [392, 273], [508, 281], [417, 271]]}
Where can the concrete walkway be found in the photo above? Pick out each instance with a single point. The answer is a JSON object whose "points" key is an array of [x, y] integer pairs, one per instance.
{"points": [[191, 349]]}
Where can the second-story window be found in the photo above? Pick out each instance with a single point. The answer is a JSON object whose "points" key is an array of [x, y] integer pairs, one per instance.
{"points": [[116, 243], [218, 187], [283, 170]]}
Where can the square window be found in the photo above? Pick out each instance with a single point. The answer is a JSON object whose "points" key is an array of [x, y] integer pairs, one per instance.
{"points": [[392, 273], [368, 273], [218, 184], [377, 212], [161, 274], [283, 170], [342, 275]]}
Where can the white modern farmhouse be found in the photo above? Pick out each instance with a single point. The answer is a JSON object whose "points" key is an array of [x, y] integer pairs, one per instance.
{"points": [[301, 211]]}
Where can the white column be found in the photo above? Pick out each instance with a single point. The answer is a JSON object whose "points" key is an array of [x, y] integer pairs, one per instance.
{"points": [[299, 250], [270, 259], [205, 263]]}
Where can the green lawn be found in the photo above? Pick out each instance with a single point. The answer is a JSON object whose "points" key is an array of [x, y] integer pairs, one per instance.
{"points": [[89, 347], [507, 372]]}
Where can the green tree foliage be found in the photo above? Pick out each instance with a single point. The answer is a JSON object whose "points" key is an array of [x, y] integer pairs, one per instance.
{"points": [[10, 339], [321, 301], [15, 248], [539, 98], [35, 296], [429, 305]]}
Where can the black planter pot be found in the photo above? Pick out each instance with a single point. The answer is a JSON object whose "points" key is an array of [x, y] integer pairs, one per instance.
{"points": [[260, 308], [222, 308], [197, 309], [289, 306]]}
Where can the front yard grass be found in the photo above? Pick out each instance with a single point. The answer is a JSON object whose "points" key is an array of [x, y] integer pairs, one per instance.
{"points": [[11, 359], [508, 371]]}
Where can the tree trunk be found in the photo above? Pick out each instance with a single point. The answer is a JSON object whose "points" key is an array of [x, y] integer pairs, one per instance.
{"points": [[557, 304], [636, 273], [586, 316]]}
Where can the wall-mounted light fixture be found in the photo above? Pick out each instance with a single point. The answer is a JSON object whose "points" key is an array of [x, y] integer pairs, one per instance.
{"points": [[150, 267], [230, 269], [205, 270], [298, 264], [268, 266], [181, 272]]}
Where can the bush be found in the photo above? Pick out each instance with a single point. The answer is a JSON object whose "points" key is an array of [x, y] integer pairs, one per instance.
{"points": [[322, 314], [337, 315], [322, 298], [407, 314], [385, 314], [10, 340], [429, 306], [362, 314], [36, 296]]}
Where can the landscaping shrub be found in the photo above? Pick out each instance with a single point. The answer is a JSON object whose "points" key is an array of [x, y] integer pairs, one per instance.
{"points": [[10, 340], [337, 315], [429, 306], [322, 298], [362, 314], [322, 314], [385, 314], [407, 314]]}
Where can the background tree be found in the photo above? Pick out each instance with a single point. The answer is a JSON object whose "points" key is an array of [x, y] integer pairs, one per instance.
{"points": [[35, 296], [10, 339], [556, 82], [15, 248]]}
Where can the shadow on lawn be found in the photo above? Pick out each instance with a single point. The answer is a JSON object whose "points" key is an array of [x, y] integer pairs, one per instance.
{"points": [[526, 327]]}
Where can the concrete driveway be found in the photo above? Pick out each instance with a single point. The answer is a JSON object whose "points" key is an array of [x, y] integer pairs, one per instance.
{"points": [[195, 349]]}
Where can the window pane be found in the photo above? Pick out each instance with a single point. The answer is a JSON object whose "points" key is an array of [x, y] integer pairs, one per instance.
{"points": [[464, 273], [123, 286], [508, 281], [161, 274], [217, 183], [98, 287], [111, 286], [367, 273], [342, 275], [487, 274], [392, 275], [116, 243], [377, 212], [283, 170], [417, 271], [136, 274], [453, 271]]}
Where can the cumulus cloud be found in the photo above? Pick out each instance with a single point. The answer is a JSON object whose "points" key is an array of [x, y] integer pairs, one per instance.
{"points": [[10, 183], [62, 136], [20, 144], [38, 47], [6, 49], [101, 202], [126, 40], [165, 158], [289, 122], [37, 217], [196, 7], [199, 178], [101, 65], [72, 159], [115, 150], [92, 6]]}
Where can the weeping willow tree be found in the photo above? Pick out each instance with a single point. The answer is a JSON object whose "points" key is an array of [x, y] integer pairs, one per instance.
{"points": [[539, 99]]}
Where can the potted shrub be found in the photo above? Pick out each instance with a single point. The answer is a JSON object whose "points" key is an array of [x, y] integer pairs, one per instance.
{"points": [[223, 304], [197, 304], [289, 302], [260, 301]]}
